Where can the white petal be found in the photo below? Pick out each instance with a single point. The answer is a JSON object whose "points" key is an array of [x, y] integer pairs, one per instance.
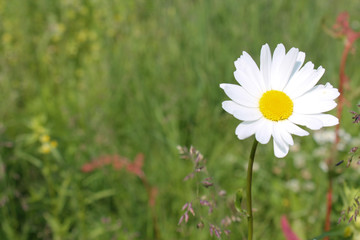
{"points": [[312, 80], [320, 93], [285, 70], [252, 69], [308, 83], [265, 65], [327, 119], [317, 100], [248, 75], [306, 120], [239, 95], [281, 149], [248, 83], [299, 62], [264, 131], [298, 79], [279, 55], [241, 112], [313, 106], [246, 129], [285, 135], [294, 129]]}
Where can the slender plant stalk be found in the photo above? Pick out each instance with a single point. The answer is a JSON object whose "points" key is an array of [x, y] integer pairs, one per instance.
{"points": [[248, 190]]}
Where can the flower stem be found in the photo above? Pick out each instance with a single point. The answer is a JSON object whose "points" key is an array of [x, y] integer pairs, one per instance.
{"points": [[248, 190]]}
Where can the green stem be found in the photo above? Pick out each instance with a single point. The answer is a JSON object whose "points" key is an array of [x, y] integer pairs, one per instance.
{"points": [[248, 190]]}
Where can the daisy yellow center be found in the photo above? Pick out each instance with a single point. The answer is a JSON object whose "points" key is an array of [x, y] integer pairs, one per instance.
{"points": [[276, 105]]}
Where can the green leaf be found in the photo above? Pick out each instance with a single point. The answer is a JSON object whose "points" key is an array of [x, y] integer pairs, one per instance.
{"points": [[31, 159], [238, 199], [8, 230], [336, 232], [100, 195], [63, 193]]}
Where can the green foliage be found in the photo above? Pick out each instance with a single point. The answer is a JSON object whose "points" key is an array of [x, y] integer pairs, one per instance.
{"points": [[82, 79], [238, 199]]}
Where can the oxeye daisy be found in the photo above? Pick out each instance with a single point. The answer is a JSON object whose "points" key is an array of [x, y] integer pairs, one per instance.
{"points": [[273, 99]]}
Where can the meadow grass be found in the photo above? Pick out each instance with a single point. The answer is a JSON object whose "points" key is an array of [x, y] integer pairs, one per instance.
{"points": [[126, 77]]}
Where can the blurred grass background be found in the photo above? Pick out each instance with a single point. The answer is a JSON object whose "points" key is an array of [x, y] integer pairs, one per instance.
{"points": [[128, 77]]}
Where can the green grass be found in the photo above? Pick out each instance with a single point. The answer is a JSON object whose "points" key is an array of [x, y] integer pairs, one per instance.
{"points": [[124, 77]]}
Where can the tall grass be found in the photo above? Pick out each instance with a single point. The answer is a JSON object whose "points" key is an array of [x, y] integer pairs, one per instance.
{"points": [[124, 77]]}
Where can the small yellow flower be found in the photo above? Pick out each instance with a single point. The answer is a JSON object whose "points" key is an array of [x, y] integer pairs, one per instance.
{"points": [[45, 148], [44, 138], [48, 146], [53, 144], [347, 232]]}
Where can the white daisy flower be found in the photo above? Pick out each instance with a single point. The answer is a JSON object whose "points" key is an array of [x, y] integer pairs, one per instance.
{"points": [[273, 100]]}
